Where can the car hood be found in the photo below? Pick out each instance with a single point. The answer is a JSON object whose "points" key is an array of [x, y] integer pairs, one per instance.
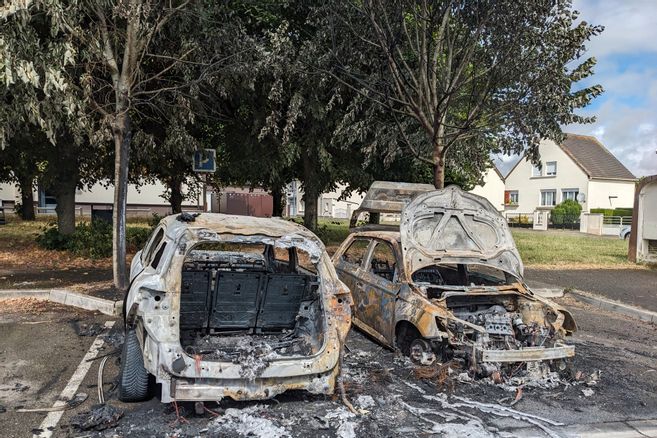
{"points": [[453, 226]]}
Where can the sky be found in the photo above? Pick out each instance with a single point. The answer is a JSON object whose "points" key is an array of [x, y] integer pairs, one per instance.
{"points": [[626, 54]]}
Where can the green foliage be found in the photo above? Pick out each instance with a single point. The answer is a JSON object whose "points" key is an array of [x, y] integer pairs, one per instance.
{"points": [[51, 238], [154, 220], [613, 211], [566, 213], [332, 233], [91, 240]]}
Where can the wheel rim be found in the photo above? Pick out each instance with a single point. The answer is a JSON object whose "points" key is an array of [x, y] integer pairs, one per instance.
{"points": [[422, 353]]}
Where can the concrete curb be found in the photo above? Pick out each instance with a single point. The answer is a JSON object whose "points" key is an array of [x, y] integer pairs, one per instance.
{"points": [[68, 298], [614, 306], [624, 429], [546, 292]]}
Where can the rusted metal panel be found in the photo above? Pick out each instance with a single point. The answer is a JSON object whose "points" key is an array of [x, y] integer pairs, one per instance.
{"points": [[246, 204], [388, 197]]}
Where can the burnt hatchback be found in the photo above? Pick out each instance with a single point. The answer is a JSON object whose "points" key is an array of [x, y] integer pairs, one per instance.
{"points": [[446, 283], [232, 306]]}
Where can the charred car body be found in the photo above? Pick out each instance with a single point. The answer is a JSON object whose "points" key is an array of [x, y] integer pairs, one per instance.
{"points": [[232, 306], [448, 282]]}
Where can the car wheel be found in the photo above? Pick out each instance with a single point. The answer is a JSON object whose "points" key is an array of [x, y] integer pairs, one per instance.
{"points": [[411, 343], [626, 236], [133, 377]]}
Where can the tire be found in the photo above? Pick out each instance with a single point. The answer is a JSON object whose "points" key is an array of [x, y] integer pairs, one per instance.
{"points": [[133, 377], [406, 334]]}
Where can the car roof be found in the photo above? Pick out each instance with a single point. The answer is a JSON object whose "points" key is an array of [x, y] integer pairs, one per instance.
{"points": [[379, 234], [235, 224]]}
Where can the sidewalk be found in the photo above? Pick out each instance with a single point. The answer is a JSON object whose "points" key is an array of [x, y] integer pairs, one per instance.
{"points": [[618, 429], [636, 287]]}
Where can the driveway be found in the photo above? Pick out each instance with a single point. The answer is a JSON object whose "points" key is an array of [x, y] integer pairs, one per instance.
{"points": [[637, 287]]}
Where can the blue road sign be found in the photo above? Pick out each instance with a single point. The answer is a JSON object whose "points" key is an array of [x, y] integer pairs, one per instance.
{"points": [[205, 160]]}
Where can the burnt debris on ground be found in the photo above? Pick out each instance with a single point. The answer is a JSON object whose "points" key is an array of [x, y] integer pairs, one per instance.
{"points": [[394, 396]]}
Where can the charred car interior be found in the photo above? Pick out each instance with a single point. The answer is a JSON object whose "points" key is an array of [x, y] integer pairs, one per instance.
{"points": [[238, 297], [446, 284]]}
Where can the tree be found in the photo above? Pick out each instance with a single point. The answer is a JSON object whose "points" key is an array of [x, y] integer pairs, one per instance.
{"points": [[112, 42], [474, 76], [19, 164]]}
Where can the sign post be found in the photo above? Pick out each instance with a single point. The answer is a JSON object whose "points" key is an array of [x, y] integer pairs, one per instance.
{"points": [[205, 161]]}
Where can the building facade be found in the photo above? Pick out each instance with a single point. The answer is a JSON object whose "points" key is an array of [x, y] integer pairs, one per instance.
{"points": [[580, 168], [492, 188]]}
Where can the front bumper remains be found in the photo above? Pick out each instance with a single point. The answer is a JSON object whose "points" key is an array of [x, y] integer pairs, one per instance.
{"points": [[528, 354]]}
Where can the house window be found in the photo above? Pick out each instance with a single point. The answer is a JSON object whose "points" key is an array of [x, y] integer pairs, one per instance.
{"points": [[569, 194], [548, 198], [511, 197], [536, 171], [551, 168]]}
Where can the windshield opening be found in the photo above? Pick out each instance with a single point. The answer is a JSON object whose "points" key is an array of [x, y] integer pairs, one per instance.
{"points": [[464, 275]]}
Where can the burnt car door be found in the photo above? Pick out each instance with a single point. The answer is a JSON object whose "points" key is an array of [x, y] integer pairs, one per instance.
{"points": [[350, 268], [379, 287]]}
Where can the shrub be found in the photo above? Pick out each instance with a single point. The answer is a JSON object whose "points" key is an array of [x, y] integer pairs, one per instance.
{"points": [[136, 237], [566, 213], [51, 238], [91, 240]]}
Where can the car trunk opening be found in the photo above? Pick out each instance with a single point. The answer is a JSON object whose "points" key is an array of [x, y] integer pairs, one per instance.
{"points": [[240, 301]]}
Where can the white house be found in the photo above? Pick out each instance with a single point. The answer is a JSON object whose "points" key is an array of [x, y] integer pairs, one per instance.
{"points": [[580, 168], [492, 188], [329, 204], [142, 200]]}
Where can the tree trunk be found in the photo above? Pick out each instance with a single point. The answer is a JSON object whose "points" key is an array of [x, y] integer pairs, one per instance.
{"points": [[176, 195], [310, 210], [279, 201], [65, 195], [26, 185], [310, 194], [438, 165], [122, 137]]}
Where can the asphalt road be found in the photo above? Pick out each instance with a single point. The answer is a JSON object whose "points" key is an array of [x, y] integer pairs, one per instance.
{"points": [[39, 351], [636, 287]]}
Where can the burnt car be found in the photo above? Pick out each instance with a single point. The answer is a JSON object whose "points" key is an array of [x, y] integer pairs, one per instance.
{"points": [[232, 306], [446, 283]]}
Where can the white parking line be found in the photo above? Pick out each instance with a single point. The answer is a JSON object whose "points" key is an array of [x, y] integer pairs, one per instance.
{"points": [[48, 425]]}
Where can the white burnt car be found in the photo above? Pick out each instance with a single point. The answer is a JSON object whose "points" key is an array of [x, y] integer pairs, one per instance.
{"points": [[232, 306], [447, 283]]}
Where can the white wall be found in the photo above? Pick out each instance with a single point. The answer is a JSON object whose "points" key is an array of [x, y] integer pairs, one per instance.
{"points": [[328, 203], [569, 176], [8, 192], [610, 194], [147, 194], [492, 189]]}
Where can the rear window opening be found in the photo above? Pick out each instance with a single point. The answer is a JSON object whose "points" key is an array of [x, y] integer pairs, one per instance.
{"points": [[460, 275], [242, 299]]}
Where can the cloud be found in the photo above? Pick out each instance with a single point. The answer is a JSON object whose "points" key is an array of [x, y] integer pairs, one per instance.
{"points": [[627, 69]]}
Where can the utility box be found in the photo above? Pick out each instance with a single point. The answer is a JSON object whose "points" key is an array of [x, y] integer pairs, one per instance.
{"points": [[541, 218], [643, 237]]}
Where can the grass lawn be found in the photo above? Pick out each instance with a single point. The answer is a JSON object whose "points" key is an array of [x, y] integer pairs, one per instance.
{"points": [[540, 249], [570, 248]]}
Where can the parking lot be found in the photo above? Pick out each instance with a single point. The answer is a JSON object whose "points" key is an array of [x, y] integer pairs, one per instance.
{"points": [[45, 344]]}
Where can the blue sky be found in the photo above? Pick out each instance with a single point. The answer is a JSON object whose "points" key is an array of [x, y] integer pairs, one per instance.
{"points": [[627, 69]]}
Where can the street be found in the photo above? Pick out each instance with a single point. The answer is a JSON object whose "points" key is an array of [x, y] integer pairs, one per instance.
{"points": [[43, 344]]}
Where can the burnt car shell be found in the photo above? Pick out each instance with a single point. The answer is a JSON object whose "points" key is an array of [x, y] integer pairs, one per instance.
{"points": [[181, 295], [438, 298]]}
